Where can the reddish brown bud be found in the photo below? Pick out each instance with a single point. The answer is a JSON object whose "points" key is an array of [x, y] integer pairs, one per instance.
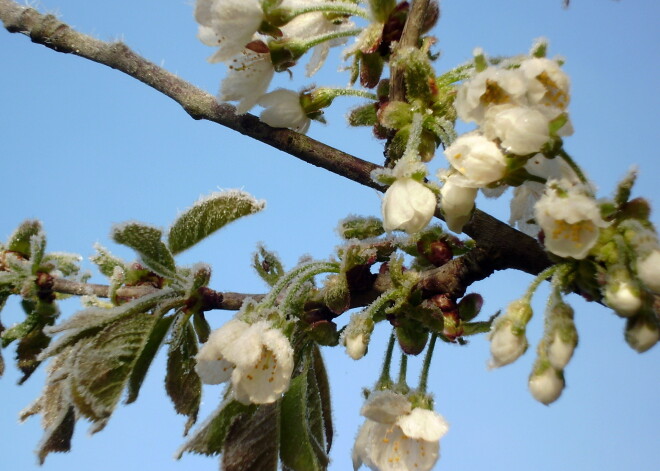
{"points": [[438, 252]]}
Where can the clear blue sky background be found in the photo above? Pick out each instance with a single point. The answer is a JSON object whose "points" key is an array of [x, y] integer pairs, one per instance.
{"points": [[83, 146]]}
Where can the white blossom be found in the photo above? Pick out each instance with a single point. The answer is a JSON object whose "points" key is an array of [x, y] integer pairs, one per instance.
{"points": [[570, 219], [507, 336], [648, 270], [457, 202], [283, 110], [256, 357], [477, 158], [490, 87], [227, 24], [396, 437], [356, 346], [249, 75], [407, 205], [623, 297], [548, 85], [521, 130], [546, 384]]}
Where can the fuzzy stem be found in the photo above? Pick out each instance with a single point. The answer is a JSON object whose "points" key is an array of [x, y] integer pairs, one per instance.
{"points": [[385, 380], [321, 38], [403, 370], [544, 275], [345, 8], [574, 166], [424, 376]]}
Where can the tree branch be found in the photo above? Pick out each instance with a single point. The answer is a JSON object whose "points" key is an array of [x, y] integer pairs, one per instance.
{"points": [[520, 251]]}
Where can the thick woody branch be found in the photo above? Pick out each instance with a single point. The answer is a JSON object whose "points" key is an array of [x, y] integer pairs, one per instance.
{"points": [[518, 250]]}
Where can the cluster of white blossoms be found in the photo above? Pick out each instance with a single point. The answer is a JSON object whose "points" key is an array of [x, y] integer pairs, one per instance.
{"points": [[256, 38], [397, 437], [516, 110], [257, 359]]}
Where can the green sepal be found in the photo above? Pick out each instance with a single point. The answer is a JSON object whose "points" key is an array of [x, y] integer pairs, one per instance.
{"points": [[371, 68], [395, 115], [19, 241], [202, 327], [146, 241], [267, 265], [480, 327], [208, 215], [412, 336], [323, 386], [182, 382], [209, 438], [154, 341]]}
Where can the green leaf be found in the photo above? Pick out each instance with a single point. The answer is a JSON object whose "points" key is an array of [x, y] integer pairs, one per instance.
{"points": [[267, 265], [202, 327], [182, 382], [147, 355], [209, 438], [146, 241], [360, 227], [252, 441], [19, 241], [105, 261], [208, 215], [323, 385], [103, 366], [299, 448]]}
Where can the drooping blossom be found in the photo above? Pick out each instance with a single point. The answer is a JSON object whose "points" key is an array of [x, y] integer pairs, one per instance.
{"points": [[546, 383], [648, 270], [477, 158], [520, 130], [457, 202], [397, 437], [257, 358], [250, 73], [507, 336], [283, 110], [407, 205]]}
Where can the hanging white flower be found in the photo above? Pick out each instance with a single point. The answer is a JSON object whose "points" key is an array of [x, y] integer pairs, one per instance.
{"points": [[623, 297], [256, 357], [250, 73], [283, 110], [507, 335], [521, 130], [546, 384], [396, 437], [228, 24], [642, 334], [407, 205], [648, 270], [490, 87], [477, 158], [570, 219], [457, 202]]}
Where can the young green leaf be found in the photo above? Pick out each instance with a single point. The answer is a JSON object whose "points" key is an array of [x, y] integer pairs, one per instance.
{"points": [[19, 241], [105, 261], [104, 364], [209, 438], [182, 382], [147, 355], [267, 265], [208, 215], [252, 441], [323, 385], [146, 241]]}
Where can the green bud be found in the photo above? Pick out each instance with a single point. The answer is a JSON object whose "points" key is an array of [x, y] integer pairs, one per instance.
{"points": [[360, 227], [397, 145], [284, 53], [336, 294], [395, 114], [412, 337], [418, 73], [638, 208], [371, 68], [324, 333]]}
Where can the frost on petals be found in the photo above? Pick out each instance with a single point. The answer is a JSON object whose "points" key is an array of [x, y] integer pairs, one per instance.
{"points": [[457, 202], [250, 73], [520, 129], [256, 357], [283, 110], [477, 158], [396, 437], [408, 205], [570, 219]]}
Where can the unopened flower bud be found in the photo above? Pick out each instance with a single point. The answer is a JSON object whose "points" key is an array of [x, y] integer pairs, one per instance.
{"points": [[357, 334], [546, 383], [412, 336], [408, 205], [642, 334], [623, 297], [507, 336], [438, 251], [457, 203]]}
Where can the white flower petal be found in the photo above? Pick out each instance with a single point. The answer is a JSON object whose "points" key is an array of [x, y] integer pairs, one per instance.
{"points": [[546, 386], [408, 205], [521, 130], [477, 158], [385, 406], [249, 75], [425, 424], [283, 110]]}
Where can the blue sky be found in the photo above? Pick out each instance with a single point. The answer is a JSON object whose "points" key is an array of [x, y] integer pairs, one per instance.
{"points": [[84, 147]]}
